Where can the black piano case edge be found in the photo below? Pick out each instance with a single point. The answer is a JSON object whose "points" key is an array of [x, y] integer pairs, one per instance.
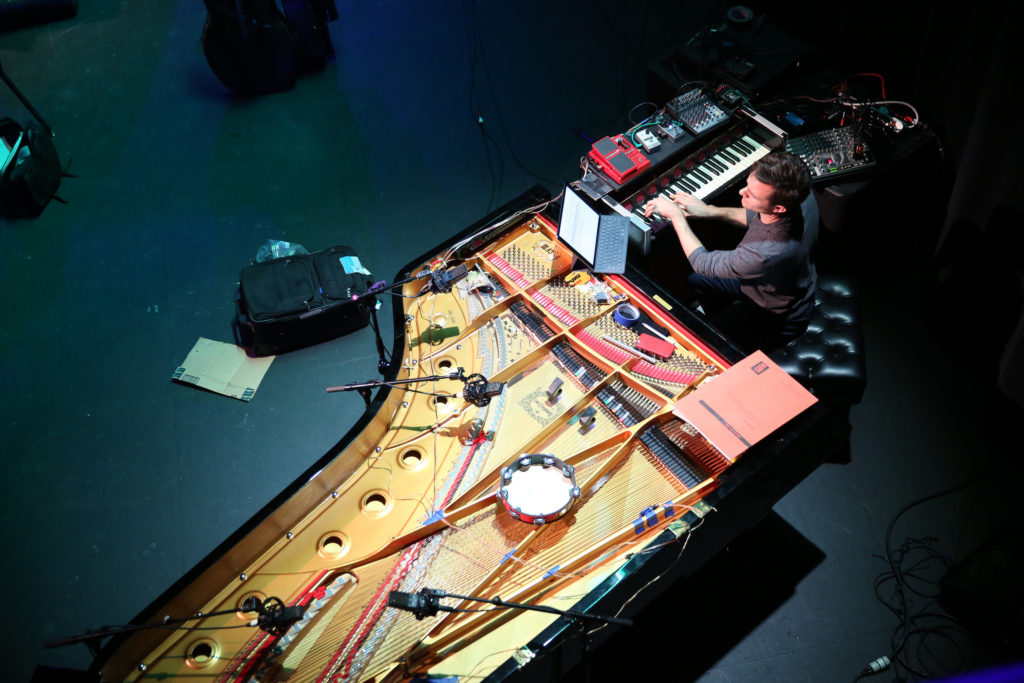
{"points": [[293, 302]]}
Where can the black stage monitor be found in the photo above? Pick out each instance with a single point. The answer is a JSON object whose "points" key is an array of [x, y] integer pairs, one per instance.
{"points": [[598, 235]]}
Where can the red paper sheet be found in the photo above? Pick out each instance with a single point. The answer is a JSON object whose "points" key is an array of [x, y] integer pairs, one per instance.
{"points": [[744, 404]]}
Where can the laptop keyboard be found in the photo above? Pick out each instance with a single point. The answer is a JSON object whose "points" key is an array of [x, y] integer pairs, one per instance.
{"points": [[612, 244]]}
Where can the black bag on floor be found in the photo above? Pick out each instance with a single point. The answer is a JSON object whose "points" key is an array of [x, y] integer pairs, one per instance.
{"points": [[30, 170], [294, 301]]}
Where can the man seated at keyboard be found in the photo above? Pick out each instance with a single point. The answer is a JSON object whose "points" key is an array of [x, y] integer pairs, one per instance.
{"points": [[760, 294]]}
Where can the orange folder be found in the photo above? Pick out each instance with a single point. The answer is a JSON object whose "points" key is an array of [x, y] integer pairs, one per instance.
{"points": [[744, 404]]}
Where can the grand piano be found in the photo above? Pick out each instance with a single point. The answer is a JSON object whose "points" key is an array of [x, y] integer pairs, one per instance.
{"points": [[518, 449]]}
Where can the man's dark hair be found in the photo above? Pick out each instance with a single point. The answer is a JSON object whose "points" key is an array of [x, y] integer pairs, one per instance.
{"points": [[788, 174]]}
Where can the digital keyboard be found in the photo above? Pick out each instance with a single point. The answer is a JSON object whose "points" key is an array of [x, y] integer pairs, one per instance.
{"points": [[703, 165], [705, 173], [705, 169]]}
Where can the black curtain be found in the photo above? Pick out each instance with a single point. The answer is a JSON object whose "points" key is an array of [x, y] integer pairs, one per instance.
{"points": [[970, 71], [961, 68]]}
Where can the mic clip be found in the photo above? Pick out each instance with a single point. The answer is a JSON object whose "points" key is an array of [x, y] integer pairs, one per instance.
{"points": [[442, 280], [276, 618], [426, 603], [479, 391]]}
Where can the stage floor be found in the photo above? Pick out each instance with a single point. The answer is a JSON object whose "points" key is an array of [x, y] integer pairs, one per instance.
{"points": [[118, 480]]}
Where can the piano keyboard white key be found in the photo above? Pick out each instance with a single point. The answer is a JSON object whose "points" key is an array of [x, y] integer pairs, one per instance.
{"points": [[703, 179], [732, 172], [717, 170]]}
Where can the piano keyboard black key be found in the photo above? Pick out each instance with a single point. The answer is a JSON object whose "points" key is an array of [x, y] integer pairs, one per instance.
{"points": [[729, 155], [687, 186], [744, 145]]}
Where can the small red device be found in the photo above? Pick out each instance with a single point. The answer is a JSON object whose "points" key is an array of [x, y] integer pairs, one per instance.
{"points": [[652, 346], [618, 158]]}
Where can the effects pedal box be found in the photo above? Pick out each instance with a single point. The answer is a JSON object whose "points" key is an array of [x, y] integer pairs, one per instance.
{"points": [[618, 158], [648, 141], [740, 68], [672, 130], [731, 97]]}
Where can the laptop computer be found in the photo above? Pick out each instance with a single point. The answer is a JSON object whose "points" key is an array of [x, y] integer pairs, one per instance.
{"points": [[596, 234]]}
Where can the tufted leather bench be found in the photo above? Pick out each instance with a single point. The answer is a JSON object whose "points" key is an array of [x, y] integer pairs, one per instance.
{"points": [[828, 358]]}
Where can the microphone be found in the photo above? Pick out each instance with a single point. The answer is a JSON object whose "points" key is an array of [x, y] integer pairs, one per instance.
{"points": [[479, 391], [442, 280], [426, 603], [273, 616], [251, 604]]}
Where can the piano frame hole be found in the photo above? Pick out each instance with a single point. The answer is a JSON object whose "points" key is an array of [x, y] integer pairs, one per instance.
{"points": [[332, 545], [202, 653], [376, 504], [249, 616], [412, 459]]}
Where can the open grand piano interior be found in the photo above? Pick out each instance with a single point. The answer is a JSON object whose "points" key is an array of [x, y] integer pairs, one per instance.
{"points": [[428, 124]]}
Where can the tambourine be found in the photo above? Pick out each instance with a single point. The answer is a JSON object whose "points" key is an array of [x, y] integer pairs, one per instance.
{"points": [[538, 488]]}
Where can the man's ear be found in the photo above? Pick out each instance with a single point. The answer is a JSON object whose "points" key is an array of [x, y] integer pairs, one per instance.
{"points": [[779, 208]]}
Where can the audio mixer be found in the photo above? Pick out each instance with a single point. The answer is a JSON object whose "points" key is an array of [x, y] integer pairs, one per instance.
{"points": [[834, 152]]}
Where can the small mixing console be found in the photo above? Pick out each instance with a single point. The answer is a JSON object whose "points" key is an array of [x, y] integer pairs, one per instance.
{"points": [[833, 152], [696, 111]]}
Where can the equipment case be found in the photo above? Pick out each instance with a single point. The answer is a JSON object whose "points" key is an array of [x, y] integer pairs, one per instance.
{"points": [[294, 301]]}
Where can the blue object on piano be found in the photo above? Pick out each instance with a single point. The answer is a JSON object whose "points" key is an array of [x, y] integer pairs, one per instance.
{"points": [[436, 517], [638, 525], [626, 315]]}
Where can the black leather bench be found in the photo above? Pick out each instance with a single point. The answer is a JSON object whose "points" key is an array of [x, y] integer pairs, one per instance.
{"points": [[828, 358]]}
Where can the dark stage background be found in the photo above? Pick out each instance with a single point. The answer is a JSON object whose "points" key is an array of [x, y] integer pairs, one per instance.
{"points": [[117, 481]]}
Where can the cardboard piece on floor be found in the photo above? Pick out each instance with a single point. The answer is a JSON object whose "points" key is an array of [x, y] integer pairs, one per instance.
{"points": [[222, 368], [744, 404]]}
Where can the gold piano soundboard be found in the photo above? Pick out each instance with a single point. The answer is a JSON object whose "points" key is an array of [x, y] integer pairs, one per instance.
{"points": [[416, 498]]}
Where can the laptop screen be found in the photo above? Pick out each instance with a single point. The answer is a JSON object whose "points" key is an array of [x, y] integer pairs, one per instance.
{"points": [[577, 226]]}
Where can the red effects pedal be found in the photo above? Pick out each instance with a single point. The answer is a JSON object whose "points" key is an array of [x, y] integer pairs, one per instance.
{"points": [[618, 158]]}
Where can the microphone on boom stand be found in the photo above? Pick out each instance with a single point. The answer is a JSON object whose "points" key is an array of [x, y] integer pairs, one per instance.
{"points": [[477, 391], [426, 603], [274, 616], [440, 281]]}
